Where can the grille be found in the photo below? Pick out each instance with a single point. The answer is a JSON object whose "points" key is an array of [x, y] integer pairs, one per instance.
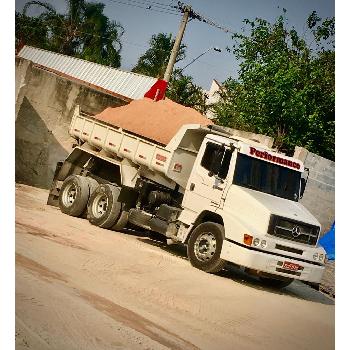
{"points": [[293, 230]]}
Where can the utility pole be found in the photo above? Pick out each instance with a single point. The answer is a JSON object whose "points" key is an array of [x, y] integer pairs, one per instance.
{"points": [[186, 11]]}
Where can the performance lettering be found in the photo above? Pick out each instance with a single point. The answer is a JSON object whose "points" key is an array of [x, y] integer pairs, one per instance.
{"points": [[273, 159]]}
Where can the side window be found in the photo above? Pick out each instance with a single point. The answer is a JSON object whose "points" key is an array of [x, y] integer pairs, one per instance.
{"points": [[211, 152], [225, 164], [216, 159]]}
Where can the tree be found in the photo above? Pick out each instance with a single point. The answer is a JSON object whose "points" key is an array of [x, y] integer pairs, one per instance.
{"points": [[155, 60], [181, 89], [84, 31], [285, 88], [31, 30]]}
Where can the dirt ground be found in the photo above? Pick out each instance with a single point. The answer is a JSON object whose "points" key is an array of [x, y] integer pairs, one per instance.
{"points": [[82, 287]]}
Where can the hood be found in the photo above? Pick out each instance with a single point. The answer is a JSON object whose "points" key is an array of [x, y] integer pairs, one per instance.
{"points": [[262, 205]]}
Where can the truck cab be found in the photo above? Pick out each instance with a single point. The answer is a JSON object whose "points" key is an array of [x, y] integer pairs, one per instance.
{"points": [[253, 193]]}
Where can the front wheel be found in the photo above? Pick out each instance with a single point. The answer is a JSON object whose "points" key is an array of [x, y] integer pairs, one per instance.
{"points": [[204, 247]]}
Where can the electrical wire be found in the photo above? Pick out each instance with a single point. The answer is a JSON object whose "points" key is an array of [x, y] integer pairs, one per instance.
{"points": [[195, 15], [134, 3], [121, 42]]}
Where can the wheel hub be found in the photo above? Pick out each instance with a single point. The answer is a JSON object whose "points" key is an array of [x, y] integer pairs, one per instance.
{"points": [[100, 205], [69, 195], [205, 246]]}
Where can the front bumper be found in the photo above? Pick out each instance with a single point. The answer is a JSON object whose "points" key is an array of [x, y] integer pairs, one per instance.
{"points": [[269, 262]]}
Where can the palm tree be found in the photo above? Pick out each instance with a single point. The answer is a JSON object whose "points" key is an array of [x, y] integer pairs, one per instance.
{"points": [[84, 31], [154, 61]]}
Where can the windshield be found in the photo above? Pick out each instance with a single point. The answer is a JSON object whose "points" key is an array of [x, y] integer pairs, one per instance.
{"points": [[267, 177]]}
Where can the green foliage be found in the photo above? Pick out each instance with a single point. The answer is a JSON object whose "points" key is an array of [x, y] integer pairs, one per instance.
{"points": [[182, 90], [84, 31], [31, 30], [154, 61], [285, 89]]}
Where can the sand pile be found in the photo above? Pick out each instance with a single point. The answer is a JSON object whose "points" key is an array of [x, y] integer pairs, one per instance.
{"points": [[158, 121]]}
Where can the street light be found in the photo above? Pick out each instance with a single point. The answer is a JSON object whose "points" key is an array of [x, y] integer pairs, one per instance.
{"points": [[195, 59]]}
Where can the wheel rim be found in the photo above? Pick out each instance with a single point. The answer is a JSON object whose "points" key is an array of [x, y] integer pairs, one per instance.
{"points": [[99, 205], [69, 194], [205, 246]]}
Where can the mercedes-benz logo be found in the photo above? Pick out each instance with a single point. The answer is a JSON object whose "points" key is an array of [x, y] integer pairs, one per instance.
{"points": [[296, 231]]}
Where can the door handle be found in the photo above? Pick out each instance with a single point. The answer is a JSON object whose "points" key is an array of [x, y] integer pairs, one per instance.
{"points": [[192, 186]]}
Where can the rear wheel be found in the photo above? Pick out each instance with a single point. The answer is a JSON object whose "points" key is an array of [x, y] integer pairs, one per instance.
{"points": [[74, 195], [103, 208], [122, 221], [93, 184], [204, 247]]}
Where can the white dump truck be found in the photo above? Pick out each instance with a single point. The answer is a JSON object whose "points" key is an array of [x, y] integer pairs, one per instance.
{"points": [[228, 199]]}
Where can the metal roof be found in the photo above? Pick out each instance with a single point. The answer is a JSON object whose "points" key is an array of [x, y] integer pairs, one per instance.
{"points": [[127, 84]]}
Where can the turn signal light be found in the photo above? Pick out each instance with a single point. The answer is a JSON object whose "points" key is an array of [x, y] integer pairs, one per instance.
{"points": [[248, 239]]}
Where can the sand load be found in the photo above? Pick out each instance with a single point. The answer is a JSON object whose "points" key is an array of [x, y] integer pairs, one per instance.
{"points": [[158, 121]]}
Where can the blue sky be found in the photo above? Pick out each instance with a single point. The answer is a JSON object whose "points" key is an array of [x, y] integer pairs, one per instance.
{"points": [[140, 24]]}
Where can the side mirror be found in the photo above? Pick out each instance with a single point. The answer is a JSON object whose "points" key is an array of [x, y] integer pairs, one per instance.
{"points": [[302, 187], [303, 182]]}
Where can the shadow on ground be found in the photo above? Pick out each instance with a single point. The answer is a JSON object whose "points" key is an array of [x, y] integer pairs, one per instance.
{"points": [[297, 289]]}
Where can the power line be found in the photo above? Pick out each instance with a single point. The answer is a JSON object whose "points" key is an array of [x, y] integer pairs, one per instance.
{"points": [[134, 3], [120, 42], [195, 15], [149, 4], [161, 4]]}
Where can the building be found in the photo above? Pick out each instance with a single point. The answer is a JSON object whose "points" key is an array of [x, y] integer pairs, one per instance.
{"points": [[125, 85]]}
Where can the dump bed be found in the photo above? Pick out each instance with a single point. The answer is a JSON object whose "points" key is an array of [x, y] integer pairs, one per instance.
{"points": [[157, 121], [174, 160]]}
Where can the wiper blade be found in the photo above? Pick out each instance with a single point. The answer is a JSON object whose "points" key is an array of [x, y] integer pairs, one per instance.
{"points": [[252, 187]]}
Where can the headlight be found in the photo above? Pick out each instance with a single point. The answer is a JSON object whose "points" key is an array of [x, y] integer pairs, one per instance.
{"points": [[321, 257], [315, 256], [263, 244], [256, 242]]}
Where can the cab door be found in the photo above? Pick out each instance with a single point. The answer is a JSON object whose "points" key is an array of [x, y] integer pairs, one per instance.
{"points": [[206, 184]]}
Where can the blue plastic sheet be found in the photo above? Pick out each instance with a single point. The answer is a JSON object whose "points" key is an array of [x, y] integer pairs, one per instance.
{"points": [[328, 242]]}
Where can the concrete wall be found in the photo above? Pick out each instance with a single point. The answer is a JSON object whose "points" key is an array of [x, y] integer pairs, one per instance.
{"points": [[319, 199], [44, 107], [319, 196]]}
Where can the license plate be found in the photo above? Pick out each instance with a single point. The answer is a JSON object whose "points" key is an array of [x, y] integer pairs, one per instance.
{"points": [[290, 266]]}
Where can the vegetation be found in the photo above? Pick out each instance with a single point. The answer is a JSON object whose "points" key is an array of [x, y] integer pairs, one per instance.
{"points": [[155, 60], [84, 31], [182, 90], [285, 88]]}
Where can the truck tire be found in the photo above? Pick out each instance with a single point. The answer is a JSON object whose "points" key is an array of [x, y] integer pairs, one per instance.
{"points": [[74, 195], [93, 184], [276, 283], [204, 247], [121, 222], [103, 207]]}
